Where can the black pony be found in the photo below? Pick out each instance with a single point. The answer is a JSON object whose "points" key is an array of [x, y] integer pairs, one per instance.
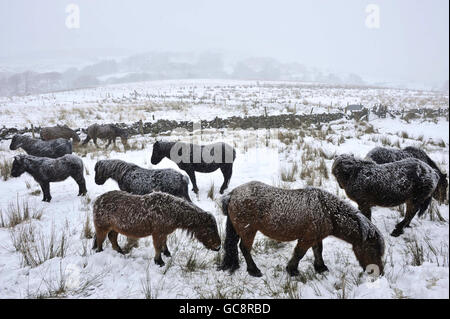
{"points": [[45, 170], [197, 158], [409, 181], [383, 155]]}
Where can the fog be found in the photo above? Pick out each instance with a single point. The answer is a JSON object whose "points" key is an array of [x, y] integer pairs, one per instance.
{"points": [[410, 43]]}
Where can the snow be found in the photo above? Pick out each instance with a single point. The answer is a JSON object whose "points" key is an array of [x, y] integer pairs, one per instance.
{"points": [[110, 275]]}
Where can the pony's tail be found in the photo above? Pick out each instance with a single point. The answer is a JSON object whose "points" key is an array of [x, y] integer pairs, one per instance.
{"points": [[185, 188], [225, 200], [423, 207], [230, 259]]}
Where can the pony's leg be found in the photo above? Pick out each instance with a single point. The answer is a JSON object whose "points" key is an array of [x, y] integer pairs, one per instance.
{"points": [[131, 243], [231, 259], [95, 141], [81, 184], [319, 265], [366, 211], [246, 246], [112, 235], [94, 241], [109, 143], [191, 175], [46, 191], [158, 243], [411, 210], [299, 251], [86, 140], [227, 171], [165, 250], [100, 236]]}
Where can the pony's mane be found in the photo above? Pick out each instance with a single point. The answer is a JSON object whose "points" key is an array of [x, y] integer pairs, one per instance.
{"points": [[116, 168], [415, 150]]}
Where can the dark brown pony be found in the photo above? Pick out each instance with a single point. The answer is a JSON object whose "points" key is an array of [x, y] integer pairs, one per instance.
{"points": [[369, 184], [306, 215], [106, 132], [54, 132], [157, 214]]}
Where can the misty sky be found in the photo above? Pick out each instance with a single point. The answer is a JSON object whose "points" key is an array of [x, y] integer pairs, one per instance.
{"points": [[411, 43]]}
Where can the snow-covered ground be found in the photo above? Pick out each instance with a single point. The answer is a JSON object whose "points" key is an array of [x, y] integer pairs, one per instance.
{"points": [[417, 263], [200, 99]]}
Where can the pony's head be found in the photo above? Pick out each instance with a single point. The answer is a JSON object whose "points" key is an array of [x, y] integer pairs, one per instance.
{"points": [[100, 176], [440, 194], [18, 166], [343, 168], [208, 233], [369, 249], [15, 142], [75, 138], [157, 154]]}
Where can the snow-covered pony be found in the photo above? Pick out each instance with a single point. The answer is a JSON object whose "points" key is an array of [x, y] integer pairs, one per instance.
{"points": [[45, 170], [369, 184], [383, 155], [307, 215], [193, 158], [37, 147], [157, 214]]}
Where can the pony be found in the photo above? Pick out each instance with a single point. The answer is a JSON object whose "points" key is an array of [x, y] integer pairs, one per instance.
{"points": [[107, 132], [52, 133], [36, 147], [193, 158], [157, 214], [307, 215], [137, 180], [382, 155], [45, 170], [369, 184]]}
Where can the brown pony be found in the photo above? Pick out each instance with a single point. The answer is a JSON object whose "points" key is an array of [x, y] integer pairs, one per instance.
{"points": [[157, 214], [106, 132], [54, 132], [307, 215]]}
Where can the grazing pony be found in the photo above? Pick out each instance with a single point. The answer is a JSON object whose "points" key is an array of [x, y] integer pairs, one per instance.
{"points": [[382, 155], [409, 181], [137, 180], [157, 214], [307, 215], [193, 158], [36, 147], [106, 132], [45, 170], [52, 133]]}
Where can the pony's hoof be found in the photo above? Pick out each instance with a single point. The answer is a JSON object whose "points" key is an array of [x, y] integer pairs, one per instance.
{"points": [[292, 272], [160, 262], [396, 232], [320, 268], [254, 272], [231, 267]]}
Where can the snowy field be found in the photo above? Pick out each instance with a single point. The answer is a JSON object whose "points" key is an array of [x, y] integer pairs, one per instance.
{"points": [[200, 100], [58, 260]]}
